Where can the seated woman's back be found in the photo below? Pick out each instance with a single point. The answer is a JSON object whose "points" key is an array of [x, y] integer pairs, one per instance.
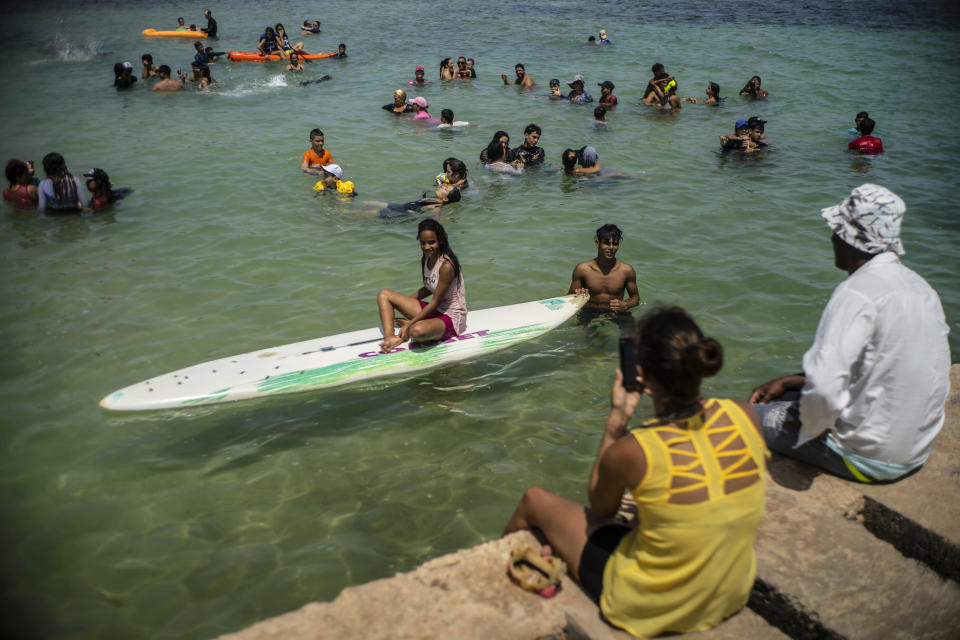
{"points": [[690, 562]]}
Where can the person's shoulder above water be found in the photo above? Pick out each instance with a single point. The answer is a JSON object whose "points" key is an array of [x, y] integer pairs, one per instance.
{"points": [[867, 145]]}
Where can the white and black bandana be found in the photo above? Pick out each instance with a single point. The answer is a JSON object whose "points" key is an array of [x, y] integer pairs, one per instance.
{"points": [[869, 219]]}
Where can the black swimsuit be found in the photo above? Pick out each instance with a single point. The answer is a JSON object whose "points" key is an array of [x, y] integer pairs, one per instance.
{"points": [[394, 209]]}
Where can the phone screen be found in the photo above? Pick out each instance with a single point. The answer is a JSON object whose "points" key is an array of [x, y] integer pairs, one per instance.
{"points": [[628, 363]]}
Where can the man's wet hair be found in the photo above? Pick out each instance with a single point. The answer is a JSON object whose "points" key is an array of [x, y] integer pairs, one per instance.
{"points": [[447, 115], [656, 68], [609, 231], [862, 114], [163, 70], [532, 128], [453, 195], [316, 132], [866, 126], [600, 112], [592, 39]]}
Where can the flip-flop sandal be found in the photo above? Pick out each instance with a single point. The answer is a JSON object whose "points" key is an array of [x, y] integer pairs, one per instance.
{"points": [[531, 571]]}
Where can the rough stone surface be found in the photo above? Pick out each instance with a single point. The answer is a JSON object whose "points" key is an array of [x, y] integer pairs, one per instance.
{"points": [[818, 558], [466, 595]]}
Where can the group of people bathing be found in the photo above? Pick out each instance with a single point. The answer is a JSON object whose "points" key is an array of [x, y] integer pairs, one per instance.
{"points": [[60, 192], [271, 42], [497, 156], [210, 29], [161, 75], [676, 553]]}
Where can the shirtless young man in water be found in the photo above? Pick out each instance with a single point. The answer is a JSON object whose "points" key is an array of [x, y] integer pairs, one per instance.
{"points": [[605, 278]]}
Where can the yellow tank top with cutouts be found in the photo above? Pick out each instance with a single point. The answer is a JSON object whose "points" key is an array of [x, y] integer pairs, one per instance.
{"points": [[690, 562]]}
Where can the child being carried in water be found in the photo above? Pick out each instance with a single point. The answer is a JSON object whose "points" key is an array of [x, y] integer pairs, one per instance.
{"points": [[445, 316]]}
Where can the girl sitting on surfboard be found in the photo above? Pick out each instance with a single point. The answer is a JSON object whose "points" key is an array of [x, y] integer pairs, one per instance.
{"points": [[445, 316]]}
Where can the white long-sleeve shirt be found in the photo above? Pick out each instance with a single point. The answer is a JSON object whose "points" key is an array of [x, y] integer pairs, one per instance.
{"points": [[878, 373]]}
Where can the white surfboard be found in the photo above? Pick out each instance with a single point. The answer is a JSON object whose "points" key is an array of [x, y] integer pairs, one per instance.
{"points": [[338, 360]]}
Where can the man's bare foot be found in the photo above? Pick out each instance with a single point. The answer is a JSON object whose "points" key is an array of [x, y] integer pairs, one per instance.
{"points": [[388, 344]]}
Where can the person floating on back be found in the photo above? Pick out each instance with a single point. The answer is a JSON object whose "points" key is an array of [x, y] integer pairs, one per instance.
{"points": [[866, 144], [445, 316], [870, 399], [332, 180], [445, 194]]}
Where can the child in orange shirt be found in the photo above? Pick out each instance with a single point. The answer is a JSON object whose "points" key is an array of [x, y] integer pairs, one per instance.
{"points": [[316, 156]]}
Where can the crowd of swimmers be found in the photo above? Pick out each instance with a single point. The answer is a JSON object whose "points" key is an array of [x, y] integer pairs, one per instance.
{"points": [[680, 556], [274, 41]]}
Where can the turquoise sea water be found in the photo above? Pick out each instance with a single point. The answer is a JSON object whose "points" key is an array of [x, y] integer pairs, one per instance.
{"points": [[191, 523]]}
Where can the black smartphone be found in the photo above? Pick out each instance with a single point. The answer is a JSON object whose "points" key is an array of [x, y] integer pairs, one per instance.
{"points": [[628, 362]]}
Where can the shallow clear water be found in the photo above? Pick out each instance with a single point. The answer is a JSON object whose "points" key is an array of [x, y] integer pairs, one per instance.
{"points": [[197, 522]]}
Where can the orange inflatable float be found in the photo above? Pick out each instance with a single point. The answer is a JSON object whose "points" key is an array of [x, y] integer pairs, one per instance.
{"points": [[254, 56]]}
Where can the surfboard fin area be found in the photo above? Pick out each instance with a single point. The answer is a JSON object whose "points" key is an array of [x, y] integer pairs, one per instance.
{"points": [[338, 360]]}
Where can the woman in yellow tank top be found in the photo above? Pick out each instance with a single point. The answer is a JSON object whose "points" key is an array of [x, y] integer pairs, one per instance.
{"points": [[697, 473]]}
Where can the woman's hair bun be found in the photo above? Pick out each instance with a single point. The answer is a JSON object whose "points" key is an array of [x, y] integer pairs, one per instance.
{"points": [[703, 358]]}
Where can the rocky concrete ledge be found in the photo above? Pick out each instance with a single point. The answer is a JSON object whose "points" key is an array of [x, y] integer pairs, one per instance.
{"points": [[834, 560]]}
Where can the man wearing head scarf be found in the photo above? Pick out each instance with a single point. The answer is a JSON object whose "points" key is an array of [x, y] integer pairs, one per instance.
{"points": [[875, 381]]}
